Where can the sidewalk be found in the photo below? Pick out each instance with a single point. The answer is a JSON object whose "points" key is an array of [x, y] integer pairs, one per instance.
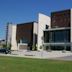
{"points": [[40, 54]]}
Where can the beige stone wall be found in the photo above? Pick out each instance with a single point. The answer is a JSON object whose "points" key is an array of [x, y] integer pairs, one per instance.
{"points": [[43, 20]]}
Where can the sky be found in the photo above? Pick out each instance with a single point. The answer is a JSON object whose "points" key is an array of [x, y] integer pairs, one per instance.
{"points": [[21, 11]]}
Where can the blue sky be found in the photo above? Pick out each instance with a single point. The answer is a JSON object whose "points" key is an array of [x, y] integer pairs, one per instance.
{"points": [[19, 11]]}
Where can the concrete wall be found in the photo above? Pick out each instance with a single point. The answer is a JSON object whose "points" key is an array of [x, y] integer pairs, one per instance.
{"points": [[43, 20], [9, 33], [22, 46], [71, 29], [35, 32], [13, 38], [35, 28]]}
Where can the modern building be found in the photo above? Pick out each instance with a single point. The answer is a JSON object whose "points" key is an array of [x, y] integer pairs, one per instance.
{"points": [[59, 36], [53, 32], [20, 35]]}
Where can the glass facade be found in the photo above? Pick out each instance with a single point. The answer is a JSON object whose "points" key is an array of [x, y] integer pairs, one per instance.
{"points": [[57, 39], [57, 36], [23, 40]]}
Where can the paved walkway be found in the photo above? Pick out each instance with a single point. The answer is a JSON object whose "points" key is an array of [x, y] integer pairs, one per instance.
{"points": [[66, 58], [57, 55]]}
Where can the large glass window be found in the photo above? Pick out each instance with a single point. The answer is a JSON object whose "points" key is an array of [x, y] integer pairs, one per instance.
{"points": [[23, 40], [46, 36], [57, 36], [61, 36]]}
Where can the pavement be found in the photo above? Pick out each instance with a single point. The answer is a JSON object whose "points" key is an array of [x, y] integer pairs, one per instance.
{"points": [[56, 55], [66, 58]]}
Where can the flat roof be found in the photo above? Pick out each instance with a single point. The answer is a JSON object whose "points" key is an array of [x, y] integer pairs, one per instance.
{"points": [[27, 22], [58, 11]]}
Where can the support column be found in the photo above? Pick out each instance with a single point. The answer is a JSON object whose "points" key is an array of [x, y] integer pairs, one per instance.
{"points": [[71, 30]]}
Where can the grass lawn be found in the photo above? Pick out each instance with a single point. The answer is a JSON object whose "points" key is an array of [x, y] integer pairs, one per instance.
{"points": [[15, 64]]}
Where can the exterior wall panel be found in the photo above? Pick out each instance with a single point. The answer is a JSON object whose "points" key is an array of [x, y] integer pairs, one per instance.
{"points": [[71, 30], [42, 22], [35, 32], [13, 39], [9, 33], [60, 19], [24, 31]]}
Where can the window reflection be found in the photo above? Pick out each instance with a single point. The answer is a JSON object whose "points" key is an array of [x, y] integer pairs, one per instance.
{"points": [[57, 36]]}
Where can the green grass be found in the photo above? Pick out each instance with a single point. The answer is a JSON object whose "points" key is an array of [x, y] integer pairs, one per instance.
{"points": [[15, 64]]}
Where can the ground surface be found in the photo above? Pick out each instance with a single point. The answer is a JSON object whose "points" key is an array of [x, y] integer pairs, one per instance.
{"points": [[58, 55], [66, 58], [16, 64]]}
